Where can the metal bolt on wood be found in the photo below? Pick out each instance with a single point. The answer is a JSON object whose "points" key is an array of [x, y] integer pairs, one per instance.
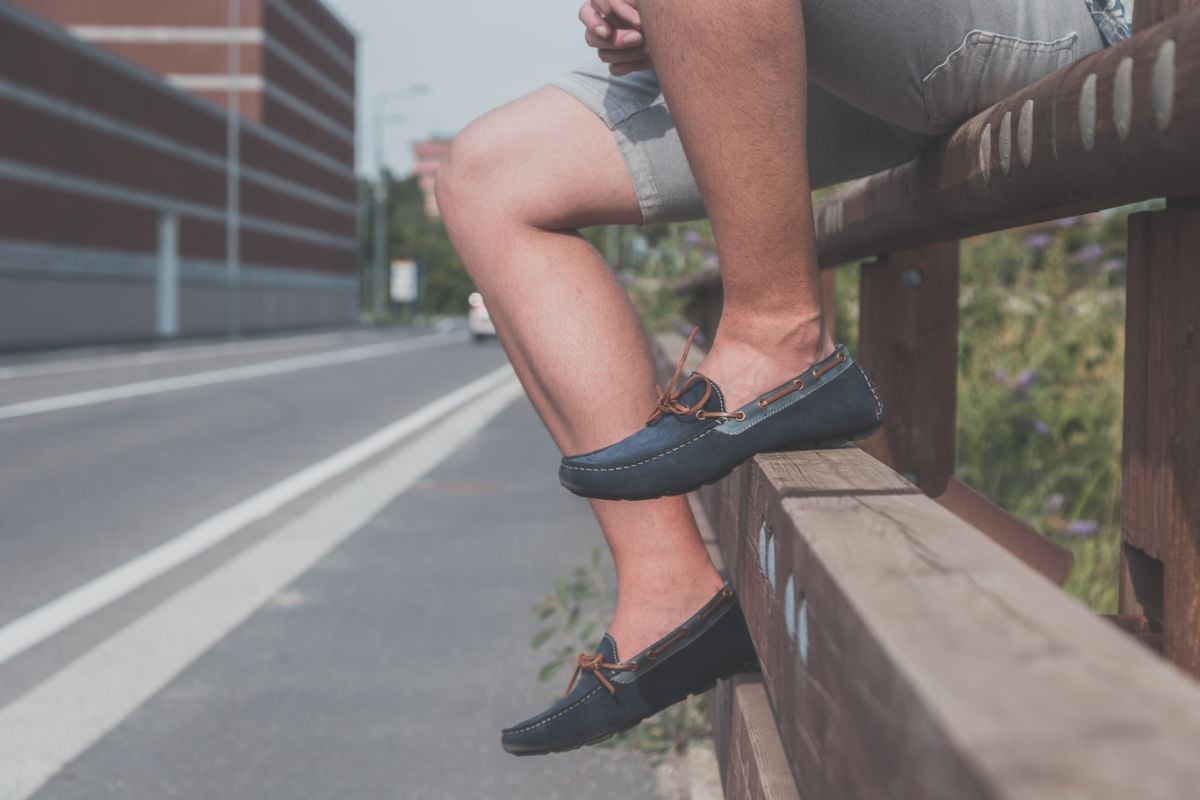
{"points": [[912, 278]]}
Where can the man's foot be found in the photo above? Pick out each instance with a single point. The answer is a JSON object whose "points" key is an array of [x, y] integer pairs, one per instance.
{"points": [[659, 604], [693, 439], [742, 367], [607, 695]]}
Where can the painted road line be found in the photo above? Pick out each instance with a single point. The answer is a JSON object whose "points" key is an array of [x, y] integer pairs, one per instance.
{"points": [[106, 359], [227, 375], [40, 624], [59, 719]]}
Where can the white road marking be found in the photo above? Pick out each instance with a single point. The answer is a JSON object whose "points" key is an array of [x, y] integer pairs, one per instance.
{"points": [[227, 375], [40, 624], [62, 717], [81, 362]]}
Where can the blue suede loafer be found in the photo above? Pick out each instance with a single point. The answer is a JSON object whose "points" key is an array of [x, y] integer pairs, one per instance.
{"points": [[692, 439], [607, 695]]}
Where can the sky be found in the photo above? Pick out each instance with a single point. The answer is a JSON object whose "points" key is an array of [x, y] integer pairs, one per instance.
{"points": [[475, 54]]}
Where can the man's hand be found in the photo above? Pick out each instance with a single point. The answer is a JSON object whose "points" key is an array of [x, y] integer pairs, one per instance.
{"points": [[614, 28]]}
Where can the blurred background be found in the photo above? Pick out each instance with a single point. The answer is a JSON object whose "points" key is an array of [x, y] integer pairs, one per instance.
{"points": [[231, 323], [168, 172]]}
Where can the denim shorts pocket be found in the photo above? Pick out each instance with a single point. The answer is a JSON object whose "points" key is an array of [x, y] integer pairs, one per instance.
{"points": [[987, 68]]}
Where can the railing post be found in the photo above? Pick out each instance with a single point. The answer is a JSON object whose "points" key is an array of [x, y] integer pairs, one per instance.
{"points": [[166, 282], [1160, 504], [908, 342]]}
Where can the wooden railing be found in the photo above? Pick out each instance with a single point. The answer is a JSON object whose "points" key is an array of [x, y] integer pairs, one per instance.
{"points": [[909, 646]]}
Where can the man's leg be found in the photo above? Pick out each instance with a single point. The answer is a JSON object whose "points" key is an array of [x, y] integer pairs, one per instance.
{"points": [[518, 184], [735, 78]]}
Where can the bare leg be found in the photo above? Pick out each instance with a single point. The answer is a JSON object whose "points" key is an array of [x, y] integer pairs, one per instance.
{"points": [[519, 181], [735, 78]]}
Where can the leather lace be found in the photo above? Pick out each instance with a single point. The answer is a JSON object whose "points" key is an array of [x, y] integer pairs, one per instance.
{"points": [[668, 398], [593, 663]]}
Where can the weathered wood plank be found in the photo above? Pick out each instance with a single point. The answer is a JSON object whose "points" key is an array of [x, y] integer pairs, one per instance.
{"points": [[908, 342], [1160, 504], [1042, 153], [911, 657], [753, 763], [1014, 535], [1150, 12]]}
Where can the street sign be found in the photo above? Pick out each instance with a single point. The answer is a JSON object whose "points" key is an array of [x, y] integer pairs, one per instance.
{"points": [[405, 287]]}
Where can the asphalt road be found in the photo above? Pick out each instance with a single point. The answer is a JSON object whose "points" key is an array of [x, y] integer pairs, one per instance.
{"points": [[297, 567]]}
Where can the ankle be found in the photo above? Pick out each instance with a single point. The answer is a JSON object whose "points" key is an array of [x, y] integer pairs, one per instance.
{"points": [[646, 614], [777, 336]]}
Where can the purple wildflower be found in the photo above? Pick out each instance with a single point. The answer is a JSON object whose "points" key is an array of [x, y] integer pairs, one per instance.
{"points": [[1001, 376], [1066, 222], [1039, 241], [1055, 502], [694, 239], [1041, 428], [1081, 527], [1113, 265], [711, 261], [1026, 379], [1089, 252]]}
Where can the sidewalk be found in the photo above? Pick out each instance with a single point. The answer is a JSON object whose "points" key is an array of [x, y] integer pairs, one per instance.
{"points": [[388, 670]]}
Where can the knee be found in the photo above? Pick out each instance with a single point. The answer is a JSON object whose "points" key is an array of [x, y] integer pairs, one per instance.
{"points": [[468, 190]]}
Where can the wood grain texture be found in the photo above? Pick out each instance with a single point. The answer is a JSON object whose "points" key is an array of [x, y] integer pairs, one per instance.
{"points": [[1160, 504], [908, 342], [1150, 12], [753, 763], [914, 658], [960, 187], [1014, 535]]}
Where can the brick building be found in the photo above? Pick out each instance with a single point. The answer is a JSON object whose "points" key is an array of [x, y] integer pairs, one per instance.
{"points": [[428, 157], [113, 168]]}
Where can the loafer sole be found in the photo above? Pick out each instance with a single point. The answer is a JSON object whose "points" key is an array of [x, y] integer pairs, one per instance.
{"points": [[606, 736], [825, 445]]}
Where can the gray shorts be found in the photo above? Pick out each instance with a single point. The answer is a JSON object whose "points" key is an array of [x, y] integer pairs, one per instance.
{"points": [[886, 78]]}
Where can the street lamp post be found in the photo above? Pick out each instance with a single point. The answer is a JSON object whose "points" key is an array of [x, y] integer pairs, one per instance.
{"points": [[379, 294], [233, 113]]}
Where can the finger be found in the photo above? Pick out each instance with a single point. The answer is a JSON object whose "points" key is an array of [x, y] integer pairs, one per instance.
{"points": [[619, 11], [593, 21], [625, 10], [622, 56], [621, 39]]}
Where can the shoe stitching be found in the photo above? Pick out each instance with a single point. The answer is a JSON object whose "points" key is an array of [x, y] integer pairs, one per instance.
{"points": [[644, 461], [720, 396], [571, 707], [812, 389], [700, 630], [875, 394]]}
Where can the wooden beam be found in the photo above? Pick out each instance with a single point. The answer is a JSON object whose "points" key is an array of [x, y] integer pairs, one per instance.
{"points": [[1014, 535], [1150, 12], [908, 656], [908, 343], [1160, 505], [753, 763], [1094, 134]]}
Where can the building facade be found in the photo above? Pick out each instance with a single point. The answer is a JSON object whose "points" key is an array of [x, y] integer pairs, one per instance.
{"points": [[428, 157], [115, 165]]}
